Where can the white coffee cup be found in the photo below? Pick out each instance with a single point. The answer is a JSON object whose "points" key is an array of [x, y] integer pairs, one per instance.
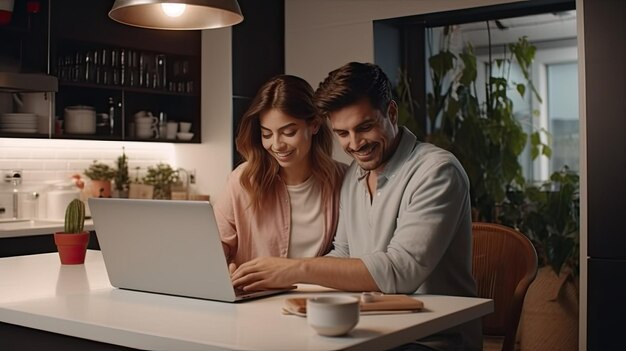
{"points": [[142, 114], [185, 127], [149, 120], [171, 129], [145, 130], [333, 315]]}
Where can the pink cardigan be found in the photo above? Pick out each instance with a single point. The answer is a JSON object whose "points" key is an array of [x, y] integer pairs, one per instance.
{"points": [[266, 234]]}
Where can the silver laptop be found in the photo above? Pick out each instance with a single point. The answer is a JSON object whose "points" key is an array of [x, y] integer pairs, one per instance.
{"points": [[164, 246]]}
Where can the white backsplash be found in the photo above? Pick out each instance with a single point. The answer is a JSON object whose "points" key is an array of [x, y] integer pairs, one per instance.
{"points": [[49, 159], [44, 160]]}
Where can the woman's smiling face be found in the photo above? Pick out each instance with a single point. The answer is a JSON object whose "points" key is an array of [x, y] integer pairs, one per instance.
{"points": [[286, 138]]}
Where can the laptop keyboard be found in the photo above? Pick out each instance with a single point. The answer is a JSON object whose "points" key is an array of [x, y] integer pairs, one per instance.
{"points": [[241, 292]]}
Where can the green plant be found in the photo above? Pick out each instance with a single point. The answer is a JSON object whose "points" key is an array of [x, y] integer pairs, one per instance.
{"points": [[100, 171], [162, 176], [122, 179], [488, 139], [484, 135], [549, 215], [74, 217]]}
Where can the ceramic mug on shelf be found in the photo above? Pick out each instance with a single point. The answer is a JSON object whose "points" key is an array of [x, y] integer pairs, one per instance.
{"points": [[171, 129], [146, 125]]}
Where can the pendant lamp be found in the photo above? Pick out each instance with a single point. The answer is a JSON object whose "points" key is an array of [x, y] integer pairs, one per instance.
{"points": [[177, 14]]}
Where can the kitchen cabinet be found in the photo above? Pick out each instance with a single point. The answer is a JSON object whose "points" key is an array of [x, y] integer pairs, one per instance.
{"points": [[117, 70], [24, 69], [262, 31], [36, 244], [121, 70], [24, 38]]}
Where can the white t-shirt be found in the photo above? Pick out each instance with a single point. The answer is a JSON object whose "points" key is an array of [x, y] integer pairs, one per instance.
{"points": [[307, 219]]}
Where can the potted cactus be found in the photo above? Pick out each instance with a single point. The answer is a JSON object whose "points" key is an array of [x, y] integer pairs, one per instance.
{"points": [[72, 242]]}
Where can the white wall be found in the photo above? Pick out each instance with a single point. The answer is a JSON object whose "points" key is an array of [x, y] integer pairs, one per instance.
{"points": [[212, 159], [323, 35]]}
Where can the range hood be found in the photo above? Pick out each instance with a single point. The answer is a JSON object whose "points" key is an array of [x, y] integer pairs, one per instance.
{"points": [[12, 82]]}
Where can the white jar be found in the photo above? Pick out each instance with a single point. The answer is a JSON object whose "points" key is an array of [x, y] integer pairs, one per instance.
{"points": [[58, 198]]}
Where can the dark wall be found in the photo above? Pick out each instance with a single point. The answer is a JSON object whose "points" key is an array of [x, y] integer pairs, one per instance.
{"points": [[605, 74], [258, 45]]}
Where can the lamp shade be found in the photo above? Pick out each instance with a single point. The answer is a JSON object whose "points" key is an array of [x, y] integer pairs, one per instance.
{"points": [[177, 14]]}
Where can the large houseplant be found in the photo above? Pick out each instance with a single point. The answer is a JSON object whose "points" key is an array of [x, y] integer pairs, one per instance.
{"points": [[72, 242], [484, 135], [101, 175], [488, 139], [549, 215]]}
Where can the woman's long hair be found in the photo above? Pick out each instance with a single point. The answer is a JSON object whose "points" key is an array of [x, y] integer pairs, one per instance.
{"points": [[294, 97]]}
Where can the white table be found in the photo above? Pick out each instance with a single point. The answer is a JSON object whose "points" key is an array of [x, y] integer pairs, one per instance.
{"points": [[38, 292]]}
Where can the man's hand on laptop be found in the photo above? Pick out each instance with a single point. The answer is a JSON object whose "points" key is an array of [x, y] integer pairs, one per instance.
{"points": [[265, 273]]}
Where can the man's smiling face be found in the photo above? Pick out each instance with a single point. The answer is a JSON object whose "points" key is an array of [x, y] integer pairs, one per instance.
{"points": [[365, 133]]}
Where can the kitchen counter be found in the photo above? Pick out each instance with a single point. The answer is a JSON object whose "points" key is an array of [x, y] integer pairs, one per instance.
{"points": [[19, 228], [79, 302]]}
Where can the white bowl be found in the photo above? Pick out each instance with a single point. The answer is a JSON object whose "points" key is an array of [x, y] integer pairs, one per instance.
{"points": [[333, 315], [184, 136]]}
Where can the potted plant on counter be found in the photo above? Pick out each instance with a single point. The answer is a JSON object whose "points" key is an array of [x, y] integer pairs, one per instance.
{"points": [[122, 179], [101, 175], [72, 242], [162, 177]]}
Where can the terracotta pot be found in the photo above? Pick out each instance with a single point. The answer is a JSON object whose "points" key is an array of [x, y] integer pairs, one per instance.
{"points": [[550, 313], [72, 247], [101, 188]]}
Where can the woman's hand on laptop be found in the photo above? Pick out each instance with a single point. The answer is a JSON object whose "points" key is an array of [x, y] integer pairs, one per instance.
{"points": [[266, 273], [232, 267]]}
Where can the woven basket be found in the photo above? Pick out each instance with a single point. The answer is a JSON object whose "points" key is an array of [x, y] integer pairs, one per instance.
{"points": [[550, 313]]}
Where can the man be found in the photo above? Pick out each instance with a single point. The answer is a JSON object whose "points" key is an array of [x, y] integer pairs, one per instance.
{"points": [[404, 223]]}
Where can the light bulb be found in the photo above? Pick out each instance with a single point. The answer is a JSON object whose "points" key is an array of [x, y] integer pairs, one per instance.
{"points": [[173, 10]]}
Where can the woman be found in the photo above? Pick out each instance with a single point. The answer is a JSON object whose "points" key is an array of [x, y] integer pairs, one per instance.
{"points": [[284, 199]]}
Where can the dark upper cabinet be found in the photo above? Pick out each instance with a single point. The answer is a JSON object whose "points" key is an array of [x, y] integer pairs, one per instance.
{"points": [[117, 70], [124, 70], [24, 40], [258, 49]]}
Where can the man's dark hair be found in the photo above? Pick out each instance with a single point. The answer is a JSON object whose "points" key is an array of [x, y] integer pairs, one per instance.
{"points": [[351, 83]]}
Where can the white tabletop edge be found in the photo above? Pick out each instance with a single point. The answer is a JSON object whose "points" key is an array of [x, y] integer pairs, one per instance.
{"points": [[41, 311]]}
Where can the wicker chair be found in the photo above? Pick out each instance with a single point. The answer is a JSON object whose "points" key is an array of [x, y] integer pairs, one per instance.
{"points": [[504, 264]]}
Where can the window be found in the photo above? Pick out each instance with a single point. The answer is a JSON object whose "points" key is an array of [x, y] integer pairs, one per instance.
{"points": [[562, 101], [553, 73]]}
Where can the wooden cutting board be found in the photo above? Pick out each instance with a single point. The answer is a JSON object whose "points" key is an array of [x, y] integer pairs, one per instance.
{"points": [[381, 304]]}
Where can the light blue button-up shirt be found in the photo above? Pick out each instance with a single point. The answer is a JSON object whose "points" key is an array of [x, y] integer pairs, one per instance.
{"points": [[414, 233]]}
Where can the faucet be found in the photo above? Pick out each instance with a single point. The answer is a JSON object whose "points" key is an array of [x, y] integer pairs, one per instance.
{"points": [[186, 181]]}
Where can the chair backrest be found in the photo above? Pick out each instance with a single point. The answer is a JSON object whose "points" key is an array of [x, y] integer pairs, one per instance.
{"points": [[504, 263]]}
